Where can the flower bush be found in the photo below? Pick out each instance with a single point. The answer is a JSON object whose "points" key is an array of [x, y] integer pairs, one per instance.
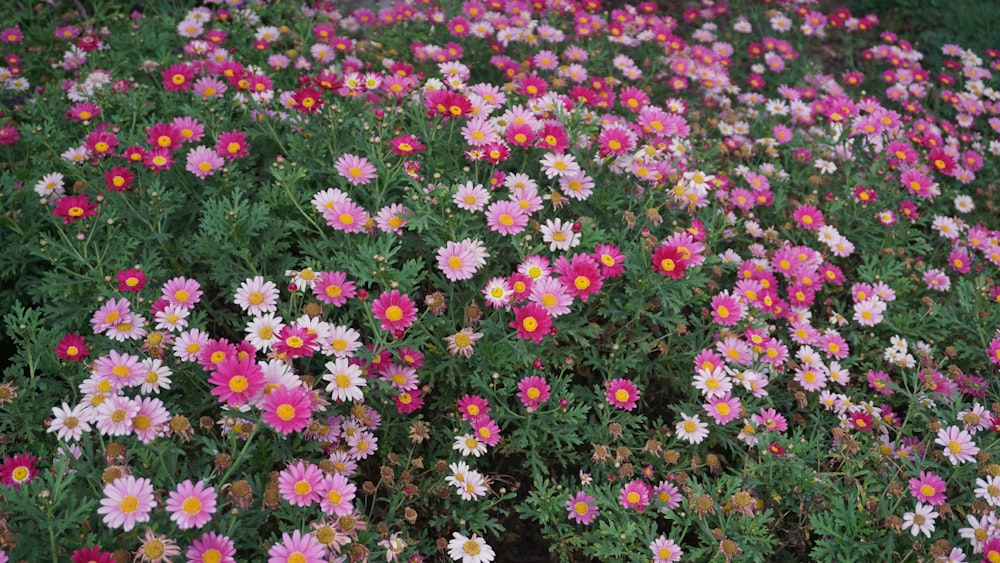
{"points": [[490, 279]]}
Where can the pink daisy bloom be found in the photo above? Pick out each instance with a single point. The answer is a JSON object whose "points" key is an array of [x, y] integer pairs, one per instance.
{"points": [[723, 409], [808, 217], [395, 310], [610, 258], [506, 217], [958, 445], [297, 548], [299, 483], [211, 548], [355, 169], [532, 322], [726, 309], [497, 292], [346, 216], [189, 343], [486, 429], [457, 261], [621, 393], [111, 313], [336, 494], [232, 145], [288, 410], [580, 509], [121, 369], [127, 501], [362, 444], [114, 415], [665, 550], [471, 406], [471, 197], [237, 380], [18, 470], [533, 391], [928, 488], [391, 219], [191, 505], [580, 275], [257, 296], [333, 288], [203, 162], [635, 494], [152, 417], [295, 341], [182, 292]]}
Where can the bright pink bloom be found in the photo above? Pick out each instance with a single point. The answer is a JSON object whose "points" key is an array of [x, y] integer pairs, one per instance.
{"points": [[18, 470], [635, 494], [506, 217], [182, 292], [486, 430], [335, 495], [334, 288], [297, 548], [723, 409], [232, 145], [928, 488], [75, 207], [237, 380], [288, 410], [471, 406], [532, 322], [396, 311], [726, 309], [72, 348], [580, 275], [355, 169], [533, 391], [211, 548], [92, 554], [621, 393], [131, 280], [296, 341]]}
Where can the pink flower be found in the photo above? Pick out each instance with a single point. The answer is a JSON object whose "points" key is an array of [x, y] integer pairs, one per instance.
{"points": [[928, 488], [532, 322], [297, 548], [396, 311], [486, 430], [506, 217], [232, 145], [288, 410], [665, 550], [203, 162], [958, 445], [75, 207], [808, 217], [296, 341], [127, 501], [457, 261], [635, 494], [610, 259], [622, 393], [993, 350], [18, 470], [333, 288], [212, 548], [471, 406], [356, 169], [533, 391], [723, 409], [726, 309], [299, 484], [336, 494], [191, 505], [182, 292], [580, 275], [580, 510], [346, 216], [237, 380]]}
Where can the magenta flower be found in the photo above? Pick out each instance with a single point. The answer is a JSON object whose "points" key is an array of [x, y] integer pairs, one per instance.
{"points": [[635, 494], [299, 484], [232, 145], [395, 310], [191, 505], [580, 510], [533, 391], [723, 409], [212, 548], [622, 393], [288, 410], [928, 488], [127, 501], [333, 288], [237, 380]]}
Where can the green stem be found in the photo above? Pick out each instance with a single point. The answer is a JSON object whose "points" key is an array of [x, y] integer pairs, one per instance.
{"points": [[239, 457]]}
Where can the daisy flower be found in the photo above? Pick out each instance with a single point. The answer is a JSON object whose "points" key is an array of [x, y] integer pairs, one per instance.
{"points": [[462, 342], [532, 322], [921, 520], [551, 294], [467, 445], [334, 288], [171, 318], [958, 445], [665, 550], [156, 549], [470, 549], [257, 296], [114, 415], [297, 548], [74, 207], [471, 197], [296, 341], [69, 423], [391, 219], [150, 420], [497, 292], [156, 376], [72, 348], [345, 379], [559, 235], [182, 292], [211, 548], [506, 217], [346, 216], [355, 169], [288, 410], [988, 489], [691, 429], [191, 505], [635, 494], [336, 494], [396, 311], [621, 393], [232, 145], [299, 483], [929, 488], [237, 380], [559, 165], [342, 342], [203, 161], [473, 487], [457, 261], [127, 501], [18, 470], [533, 391], [580, 509]]}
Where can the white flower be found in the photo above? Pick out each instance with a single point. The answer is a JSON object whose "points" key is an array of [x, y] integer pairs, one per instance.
{"points": [[345, 380], [470, 549], [467, 444], [921, 520]]}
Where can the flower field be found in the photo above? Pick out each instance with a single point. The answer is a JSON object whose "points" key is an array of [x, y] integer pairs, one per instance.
{"points": [[495, 280]]}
